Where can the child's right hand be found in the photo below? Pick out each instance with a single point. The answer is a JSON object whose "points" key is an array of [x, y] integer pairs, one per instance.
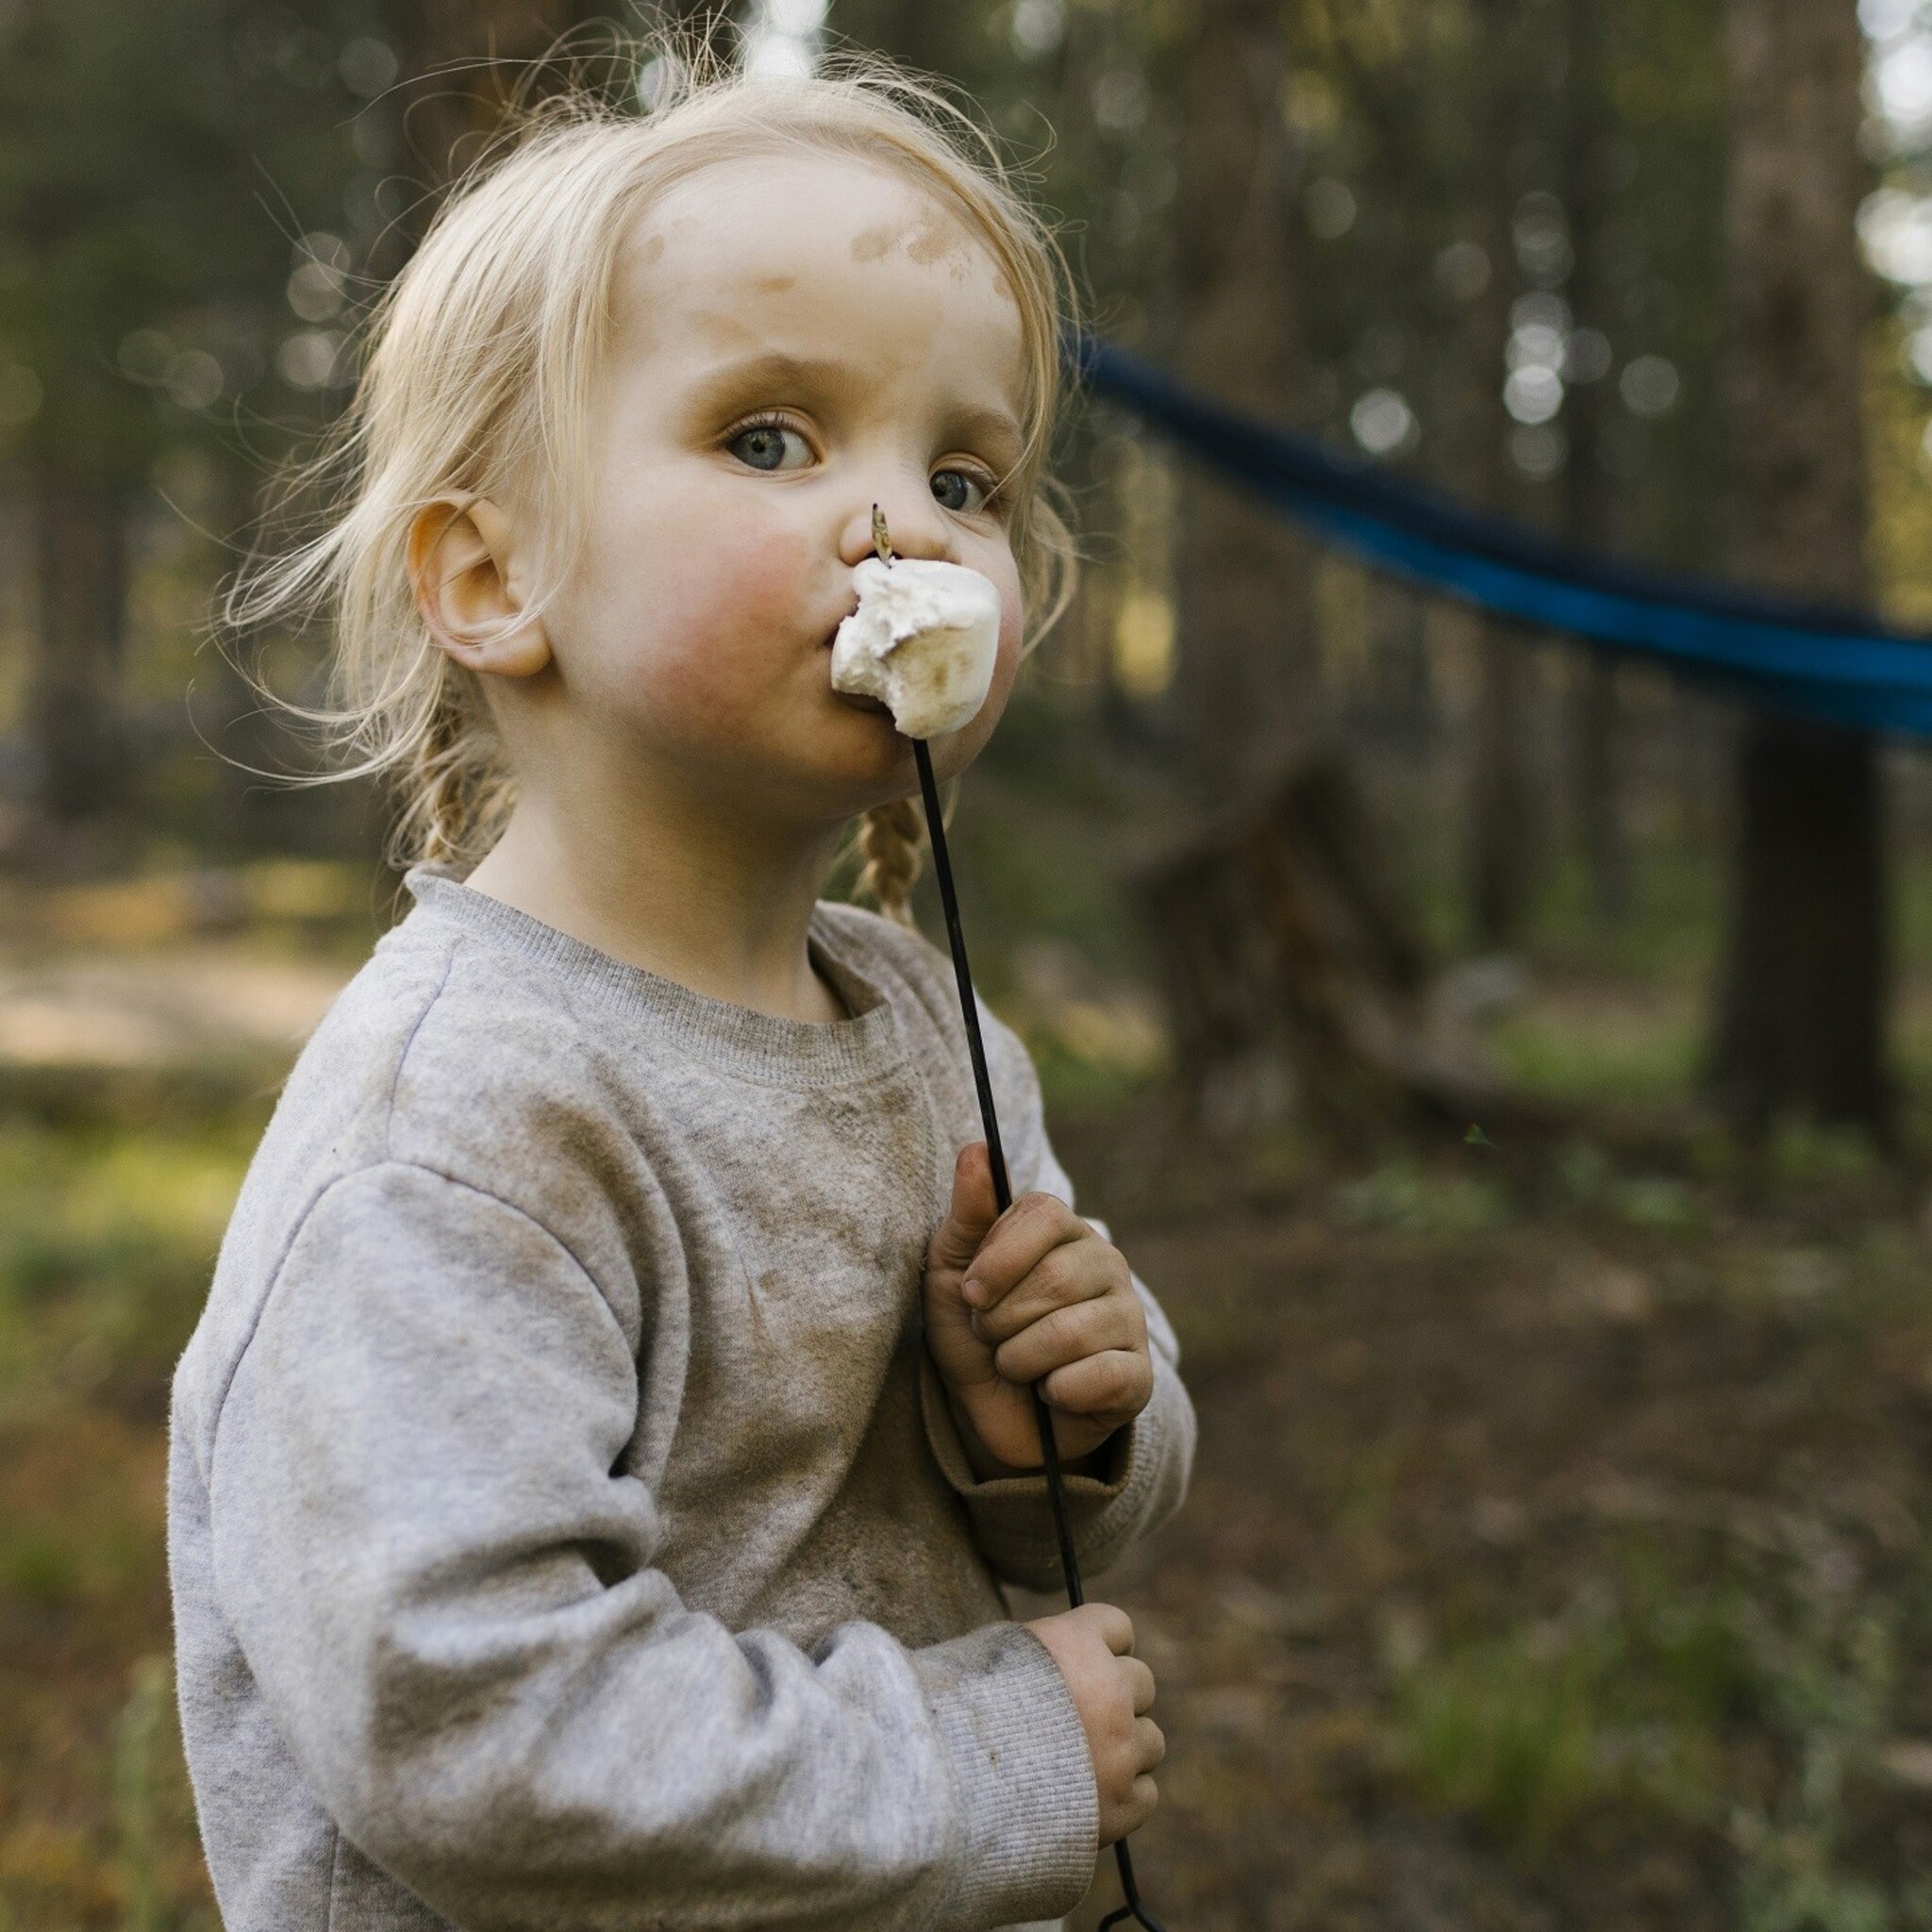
{"points": [[1112, 1691]]}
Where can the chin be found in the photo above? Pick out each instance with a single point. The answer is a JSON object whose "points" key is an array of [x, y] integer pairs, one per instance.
{"points": [[860, 736], [887, 773], [847, 768]]}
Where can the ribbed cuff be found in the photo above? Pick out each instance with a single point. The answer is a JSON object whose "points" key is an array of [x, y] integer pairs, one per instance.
{"points": [[1031, 1814], [1010, 1519]]}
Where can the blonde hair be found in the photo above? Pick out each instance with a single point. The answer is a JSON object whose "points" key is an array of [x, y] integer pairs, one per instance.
{"points": [[478, 367]]}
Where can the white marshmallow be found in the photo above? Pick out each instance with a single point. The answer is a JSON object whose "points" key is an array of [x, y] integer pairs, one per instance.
{"points": [[922, 641]]}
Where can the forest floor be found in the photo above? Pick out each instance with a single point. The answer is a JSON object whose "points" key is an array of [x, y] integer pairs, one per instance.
{"points": [[1557, 1556], [1558, 1552]]}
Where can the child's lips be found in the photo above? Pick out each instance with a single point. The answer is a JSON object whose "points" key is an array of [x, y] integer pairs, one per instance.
{"points": [[858, 702]]}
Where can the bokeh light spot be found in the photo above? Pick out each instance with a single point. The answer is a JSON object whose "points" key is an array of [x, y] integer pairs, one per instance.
{"points": [[1384, 423]]}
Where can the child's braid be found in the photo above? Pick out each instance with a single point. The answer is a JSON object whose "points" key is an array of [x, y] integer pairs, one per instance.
{"points": [[890, 838], [457, 792], [435, 785]]}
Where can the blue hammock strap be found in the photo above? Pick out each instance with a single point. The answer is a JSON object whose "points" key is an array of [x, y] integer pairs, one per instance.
{"points": [[1835, 666]]}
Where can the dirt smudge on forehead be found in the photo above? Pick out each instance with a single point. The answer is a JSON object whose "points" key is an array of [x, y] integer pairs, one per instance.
{"points": [[939, 236], [936, 236]]}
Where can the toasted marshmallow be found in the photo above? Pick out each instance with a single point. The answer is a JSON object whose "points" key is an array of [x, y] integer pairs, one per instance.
{"points": [[922, 641]]}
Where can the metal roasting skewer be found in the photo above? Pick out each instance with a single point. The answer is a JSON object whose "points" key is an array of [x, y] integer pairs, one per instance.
{"points": [[1002, 1197]]}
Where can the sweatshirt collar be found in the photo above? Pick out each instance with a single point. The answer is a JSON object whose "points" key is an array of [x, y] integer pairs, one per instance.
{"points": [[739, 1040]]}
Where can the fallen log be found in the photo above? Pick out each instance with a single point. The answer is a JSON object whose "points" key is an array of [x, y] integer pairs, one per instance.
{"points": [[1297, 980]]}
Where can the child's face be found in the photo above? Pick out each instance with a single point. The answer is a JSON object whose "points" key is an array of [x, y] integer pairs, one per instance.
{"points": [[796, 341]]}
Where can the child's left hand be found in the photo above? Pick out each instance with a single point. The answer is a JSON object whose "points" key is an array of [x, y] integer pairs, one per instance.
{"points": [[1039, 1297]]}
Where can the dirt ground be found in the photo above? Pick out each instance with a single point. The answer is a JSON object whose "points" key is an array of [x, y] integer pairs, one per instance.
{"points": [[1557, 1556]]}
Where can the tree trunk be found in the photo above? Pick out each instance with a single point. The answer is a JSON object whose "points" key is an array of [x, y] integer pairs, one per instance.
{"points": [[1801, 1024], [914, 32], [1501, 810], [1501, 850], [1590, 505], [474, 53], [1244, 683], [1596, 776], [81, 564], [1280, 937]]}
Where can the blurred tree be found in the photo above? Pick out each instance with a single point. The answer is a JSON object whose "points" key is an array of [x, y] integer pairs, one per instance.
{"points": [[1663, 440], [1246, 684], [1503, 820], [1801, 1024], [95, 256], [465, 61], [1590, 504], [922, 35], [139, 279]]}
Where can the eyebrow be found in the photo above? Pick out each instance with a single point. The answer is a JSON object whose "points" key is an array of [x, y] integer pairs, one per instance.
{"points": [[775, 368], [995, 429], [737, 381]]}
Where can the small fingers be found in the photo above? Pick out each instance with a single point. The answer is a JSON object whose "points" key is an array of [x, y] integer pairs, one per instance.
{"points": [[1113, 1382], [1150, 1745], [972, 1214], [1111, 1624], [1080, 1268], [1030, 1231], [1071, 1335], [1140, 1682]]}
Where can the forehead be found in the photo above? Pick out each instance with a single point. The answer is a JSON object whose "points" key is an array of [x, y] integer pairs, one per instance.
{"points": [[800, 252]]}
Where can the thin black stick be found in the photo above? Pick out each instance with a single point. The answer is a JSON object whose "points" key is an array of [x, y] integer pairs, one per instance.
{"points": [[1003, 1196]]}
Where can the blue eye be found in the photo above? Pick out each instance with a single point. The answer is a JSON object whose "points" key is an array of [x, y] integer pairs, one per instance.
{"points": [[954, 489], [770, 446]]}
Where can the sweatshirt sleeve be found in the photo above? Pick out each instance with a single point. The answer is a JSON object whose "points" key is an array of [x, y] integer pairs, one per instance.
{"points": [[1149, 1460], [442, 1581]]}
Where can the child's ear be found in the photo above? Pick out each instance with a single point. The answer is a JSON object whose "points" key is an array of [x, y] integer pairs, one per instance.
{"points": [[462, 565]]}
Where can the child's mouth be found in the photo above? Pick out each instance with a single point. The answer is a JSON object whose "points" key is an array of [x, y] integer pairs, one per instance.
{"points": [[858, 702]]}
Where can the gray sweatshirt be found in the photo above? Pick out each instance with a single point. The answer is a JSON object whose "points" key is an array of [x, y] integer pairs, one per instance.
{"points": [[567, 1528]]}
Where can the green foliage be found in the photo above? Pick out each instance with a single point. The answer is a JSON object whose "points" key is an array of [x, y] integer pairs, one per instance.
{"points": [[1651, 1058], [106, 1238], [1510, 1735], [156, 164], [1662, 1202], [111, 1204], [36, 1569], [1803, 1153], [1625, 1704], [139, 1735], [1406, 1195]]}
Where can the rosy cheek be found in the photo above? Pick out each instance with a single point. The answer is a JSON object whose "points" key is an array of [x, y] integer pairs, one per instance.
{"points": [[722, 617], [771, 576], [1012, 634]]}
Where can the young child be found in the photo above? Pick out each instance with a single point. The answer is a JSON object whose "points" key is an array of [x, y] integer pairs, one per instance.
{"points": [[592, 1476]]}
